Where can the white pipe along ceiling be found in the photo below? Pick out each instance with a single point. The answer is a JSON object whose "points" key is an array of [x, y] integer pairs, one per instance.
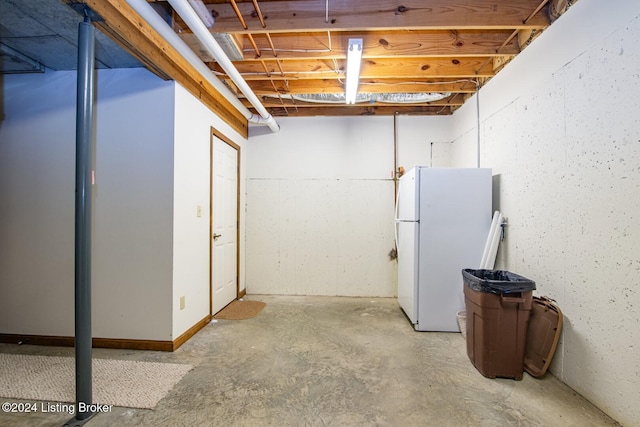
{"points": [[157, 23], [193, 21]]}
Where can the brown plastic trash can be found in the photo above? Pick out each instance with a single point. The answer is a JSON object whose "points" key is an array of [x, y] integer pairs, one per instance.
{"points": [[497, 320]]}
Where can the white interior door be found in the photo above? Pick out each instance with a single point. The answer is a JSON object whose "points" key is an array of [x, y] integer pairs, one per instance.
{"points": [[224, 247]]}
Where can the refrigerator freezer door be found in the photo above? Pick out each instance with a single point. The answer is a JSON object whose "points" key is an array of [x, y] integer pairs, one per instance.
{"points": [[407, 203], [455, 216]]}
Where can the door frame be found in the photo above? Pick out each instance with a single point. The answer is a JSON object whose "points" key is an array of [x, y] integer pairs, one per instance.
{"points": [[215, 133]]}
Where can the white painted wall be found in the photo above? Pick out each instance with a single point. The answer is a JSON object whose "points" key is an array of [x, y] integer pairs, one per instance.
{"points": [[319, 203], [320, 200], [560, 127], [152, 172], [133, 199], [193, 122], [36, 204], [424, 141], [132, 211]]}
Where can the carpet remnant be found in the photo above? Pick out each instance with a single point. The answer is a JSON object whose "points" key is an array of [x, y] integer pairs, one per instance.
{"points": [[240, 310], [126, 383]]}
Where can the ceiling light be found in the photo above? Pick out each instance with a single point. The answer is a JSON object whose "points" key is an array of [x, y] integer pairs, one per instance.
{"points": [[354, 55]]}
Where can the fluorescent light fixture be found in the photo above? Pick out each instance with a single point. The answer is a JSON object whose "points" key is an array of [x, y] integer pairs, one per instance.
{"points": [[354, 55]]}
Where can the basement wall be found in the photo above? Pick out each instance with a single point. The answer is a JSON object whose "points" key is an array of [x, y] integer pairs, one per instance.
{"points": [[191, 184], [132, 238], [320, 203], [560, 128], [152, 172]]}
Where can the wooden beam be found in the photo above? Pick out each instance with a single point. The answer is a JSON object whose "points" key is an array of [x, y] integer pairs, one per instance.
{"points": [[345, 15], [123, 24], [405, 43], [266, 87], [407, 68]]}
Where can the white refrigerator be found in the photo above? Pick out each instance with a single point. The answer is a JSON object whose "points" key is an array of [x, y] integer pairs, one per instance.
{"points": [[443, 216]]}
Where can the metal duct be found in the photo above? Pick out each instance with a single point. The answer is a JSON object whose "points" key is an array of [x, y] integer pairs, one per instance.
{"points": [[391, 98]]}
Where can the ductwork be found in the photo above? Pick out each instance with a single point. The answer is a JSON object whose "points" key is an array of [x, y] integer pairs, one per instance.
{"points": [[193, 21], [392, 98]]}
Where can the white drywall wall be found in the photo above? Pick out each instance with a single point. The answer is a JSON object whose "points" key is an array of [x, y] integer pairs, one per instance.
{"points": [[133, 199], [559, 125], [132, 212], [192, 168], [152, 172], [37, 166]]}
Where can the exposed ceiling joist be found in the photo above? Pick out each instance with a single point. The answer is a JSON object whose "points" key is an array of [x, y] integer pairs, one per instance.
{"points": [[298, 47], [399, 43], [266, 87], [288, 49], [407, 68], [379, 15]]}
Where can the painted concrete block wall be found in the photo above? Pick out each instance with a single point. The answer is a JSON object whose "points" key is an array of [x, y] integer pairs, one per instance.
{"points": [[424, 141], [192, 168], [132, 211], [565, 144], [320, 200], [320, 208]]}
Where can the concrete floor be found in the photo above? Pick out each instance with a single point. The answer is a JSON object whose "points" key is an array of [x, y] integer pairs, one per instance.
{"points": [[317, 361]]}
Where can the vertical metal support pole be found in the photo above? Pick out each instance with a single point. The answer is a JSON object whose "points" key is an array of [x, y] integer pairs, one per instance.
{"points": [[84, 184]]}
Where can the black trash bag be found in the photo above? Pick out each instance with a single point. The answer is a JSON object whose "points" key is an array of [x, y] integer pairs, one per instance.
{"points": [[496, 281]]}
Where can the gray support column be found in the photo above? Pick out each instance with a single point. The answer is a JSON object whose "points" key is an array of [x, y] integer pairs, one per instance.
{"points": [[84, 163]]}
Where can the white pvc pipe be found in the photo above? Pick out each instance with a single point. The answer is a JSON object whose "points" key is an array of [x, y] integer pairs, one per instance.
{"points": [[157, 23], [495, 242], [193, 21], [485, 253]]}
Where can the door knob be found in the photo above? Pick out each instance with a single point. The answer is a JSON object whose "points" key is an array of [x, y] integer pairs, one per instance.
{"points": [[215, 236]]}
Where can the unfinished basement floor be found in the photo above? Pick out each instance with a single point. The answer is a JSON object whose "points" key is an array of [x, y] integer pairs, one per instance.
{"points": [[331, 361]]}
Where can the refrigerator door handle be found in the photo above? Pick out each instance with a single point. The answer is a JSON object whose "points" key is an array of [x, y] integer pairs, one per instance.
{"points": [[395, 230], [397, 203], [397, 211], [398, 220], [395, 225]]}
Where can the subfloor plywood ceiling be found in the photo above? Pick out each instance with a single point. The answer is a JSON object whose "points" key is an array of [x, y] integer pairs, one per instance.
{"points": [[423, 58]]}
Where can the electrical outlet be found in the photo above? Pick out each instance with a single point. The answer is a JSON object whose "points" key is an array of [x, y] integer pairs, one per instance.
{"points": [[182, 302], [199, 211]]}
